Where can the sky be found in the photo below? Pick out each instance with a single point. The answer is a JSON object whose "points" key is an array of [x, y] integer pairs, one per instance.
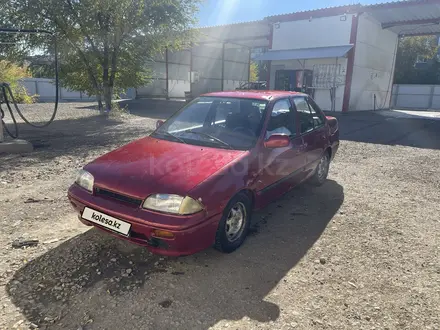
{"points": [[215, 12]]}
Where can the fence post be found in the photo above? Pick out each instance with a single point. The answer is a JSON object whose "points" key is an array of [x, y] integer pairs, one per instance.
{"points": [[36, 87], [167, 82], [223, 67], [395, 97], [431, 97]]}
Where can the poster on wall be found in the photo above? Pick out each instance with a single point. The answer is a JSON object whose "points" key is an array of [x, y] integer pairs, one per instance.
{"points": [[299, 79]]}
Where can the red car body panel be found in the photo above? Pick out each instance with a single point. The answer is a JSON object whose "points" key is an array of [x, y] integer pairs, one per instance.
{"points": [[151, 165], [255, 94], [191, 233], [212, 175]]}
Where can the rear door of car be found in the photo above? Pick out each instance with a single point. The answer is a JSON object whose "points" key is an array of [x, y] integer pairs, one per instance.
{"points": [[320, 130], [312, 130]]}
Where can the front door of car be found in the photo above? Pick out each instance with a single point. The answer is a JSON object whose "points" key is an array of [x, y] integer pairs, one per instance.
{"points": [[281, 168]]}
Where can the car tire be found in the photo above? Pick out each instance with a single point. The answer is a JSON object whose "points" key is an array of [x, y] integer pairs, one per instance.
{"points": [[321, 171], [234, 224]]}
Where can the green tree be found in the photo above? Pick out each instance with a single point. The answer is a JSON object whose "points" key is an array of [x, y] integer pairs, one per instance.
{"points": [[411, 48], [263, 70], [253, 72], [104, 45], [12, 73]]}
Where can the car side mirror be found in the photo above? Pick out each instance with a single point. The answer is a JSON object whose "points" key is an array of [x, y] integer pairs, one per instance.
{"points": [[159, 123], [277, 141]]}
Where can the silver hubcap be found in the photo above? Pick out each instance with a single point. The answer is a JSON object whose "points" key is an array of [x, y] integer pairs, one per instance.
{"points": [[235, 222], [322, 167]]}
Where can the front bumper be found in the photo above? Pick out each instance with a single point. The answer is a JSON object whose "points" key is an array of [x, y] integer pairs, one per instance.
{"points": [[191, 233]]}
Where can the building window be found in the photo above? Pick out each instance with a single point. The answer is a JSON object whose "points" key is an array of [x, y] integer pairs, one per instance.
{"points": [[324, 75]]}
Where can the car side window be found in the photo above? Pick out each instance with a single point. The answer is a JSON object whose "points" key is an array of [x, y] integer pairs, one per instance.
{"points": [[304, 114], [281, 119], [318, 116]]}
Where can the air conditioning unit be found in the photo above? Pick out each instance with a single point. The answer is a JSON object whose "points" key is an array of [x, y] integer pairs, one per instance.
{"points": [[194, 76]]}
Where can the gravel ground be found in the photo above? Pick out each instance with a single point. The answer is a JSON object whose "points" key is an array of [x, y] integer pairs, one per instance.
{"points": [[360, 252]]}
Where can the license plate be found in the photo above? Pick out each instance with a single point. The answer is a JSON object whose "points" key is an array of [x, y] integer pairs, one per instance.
{"points": [[106, 221]]}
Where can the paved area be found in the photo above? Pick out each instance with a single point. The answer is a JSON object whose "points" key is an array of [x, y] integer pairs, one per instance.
{"points": [[410, 128]]}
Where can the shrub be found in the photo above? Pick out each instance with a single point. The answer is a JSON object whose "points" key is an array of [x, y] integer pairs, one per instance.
{"points": [[11, 74]]}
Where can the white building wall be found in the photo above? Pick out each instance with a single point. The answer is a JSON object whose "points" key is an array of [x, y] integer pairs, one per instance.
{"points": [[321, 96], [230, 85], [373, 65], [156, 88], [177, 88], [253, 34], [316, 32], [178, 76]]}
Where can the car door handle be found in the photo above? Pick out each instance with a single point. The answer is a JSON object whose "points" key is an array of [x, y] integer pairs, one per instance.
{"points": [[301, 148]]}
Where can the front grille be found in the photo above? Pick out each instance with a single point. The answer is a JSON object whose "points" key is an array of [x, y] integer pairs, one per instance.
{"points": [[122, 198]]}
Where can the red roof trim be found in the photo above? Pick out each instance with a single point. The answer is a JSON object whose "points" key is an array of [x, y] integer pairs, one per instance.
{"points": [[317, 13]]}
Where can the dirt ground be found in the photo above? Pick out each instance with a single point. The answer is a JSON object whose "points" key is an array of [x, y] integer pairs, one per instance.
{"points": [[360, 252]]}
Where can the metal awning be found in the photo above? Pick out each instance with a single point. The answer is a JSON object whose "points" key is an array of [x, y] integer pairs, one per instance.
{"points": [[408, 18], [305, 53]]}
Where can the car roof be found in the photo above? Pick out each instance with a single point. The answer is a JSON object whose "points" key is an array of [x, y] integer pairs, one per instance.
{"points": [[266, 95]]}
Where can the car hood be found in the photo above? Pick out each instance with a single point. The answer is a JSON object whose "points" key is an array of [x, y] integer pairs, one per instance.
{"points": [[151, 165]]}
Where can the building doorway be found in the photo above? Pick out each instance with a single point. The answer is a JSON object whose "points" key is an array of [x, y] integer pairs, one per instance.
{"points": [[293, 80]]}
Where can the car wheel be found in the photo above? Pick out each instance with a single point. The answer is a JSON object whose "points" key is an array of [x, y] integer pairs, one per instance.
{"points": [[321, 171], [234, 225]]}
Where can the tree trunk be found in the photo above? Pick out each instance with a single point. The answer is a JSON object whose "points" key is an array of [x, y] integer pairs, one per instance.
{"points": [[99, 99], [108, 93]]}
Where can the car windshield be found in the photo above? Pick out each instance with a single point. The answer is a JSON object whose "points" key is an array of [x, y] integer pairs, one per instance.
{"points": [[221, 122]]}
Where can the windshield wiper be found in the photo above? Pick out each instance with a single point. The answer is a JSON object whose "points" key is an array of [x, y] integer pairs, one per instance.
{"points": [[211, 137], [173, 136]]}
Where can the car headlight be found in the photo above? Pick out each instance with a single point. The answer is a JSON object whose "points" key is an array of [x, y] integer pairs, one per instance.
{"points": [[170, 203], [85, 180]]}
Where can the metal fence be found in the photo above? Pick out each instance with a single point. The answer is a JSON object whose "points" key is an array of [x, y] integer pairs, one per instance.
{"points": [[45, 89], [207, 67], [415, 97]]}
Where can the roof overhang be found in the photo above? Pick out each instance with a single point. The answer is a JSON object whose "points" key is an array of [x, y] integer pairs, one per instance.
{"points": [[408, 18], [305, 53], [405, 18], [248, 34]]}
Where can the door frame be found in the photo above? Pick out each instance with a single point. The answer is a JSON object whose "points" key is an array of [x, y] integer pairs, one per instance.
{"points": [[292, 138]]}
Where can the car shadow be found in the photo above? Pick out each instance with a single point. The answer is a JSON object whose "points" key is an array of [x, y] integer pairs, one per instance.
{"points": [[76, 136], [94, 273]]}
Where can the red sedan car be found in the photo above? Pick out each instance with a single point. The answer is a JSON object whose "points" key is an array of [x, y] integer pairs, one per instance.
{"points": [[194, 182]]}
